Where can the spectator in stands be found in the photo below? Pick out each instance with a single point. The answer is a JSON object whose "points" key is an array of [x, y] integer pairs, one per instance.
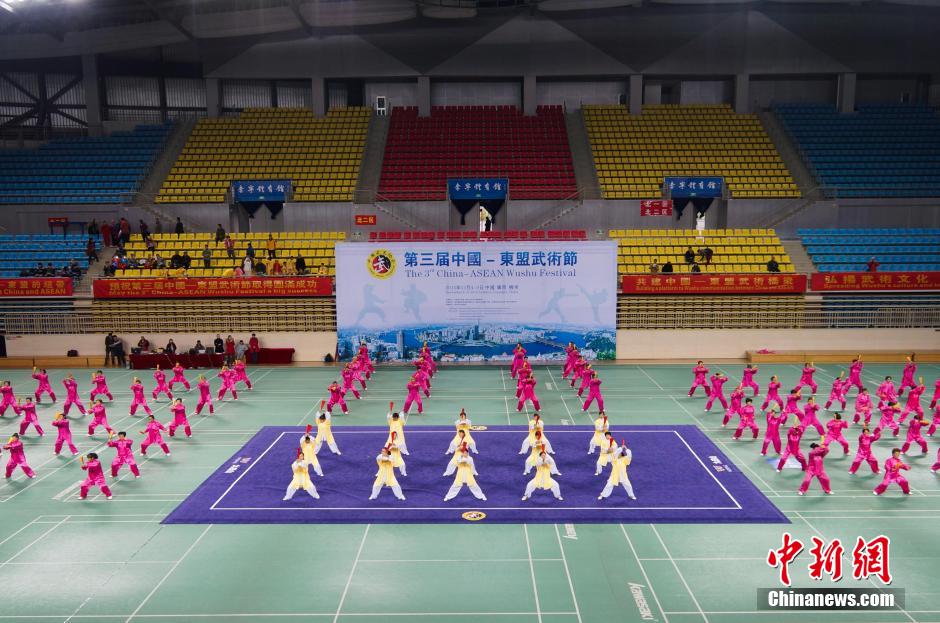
{"points": [[322, 271], [872, 266], [106, 235], [206, 256], [247, 266], [158, 261], [93, 228], [199, 347], [49, 270], [218, 344], [90, 251], [229, 245], [276, 268], [300, 264], [170, 348], [176, 260], [219, 233], [254, 348], [74, 270], [158, 226], [117, 349], [667, 267], [187, 260], [250, 250], [230, 350], [240, 349], [125, 229], [773, 266], [238, 272], [272, 247], [143, 344], [705, 254], [179, 229], [144, 230], [260, 268], [695, 268], [151, 244], [689, 255], [654, 265], [108, 354]]}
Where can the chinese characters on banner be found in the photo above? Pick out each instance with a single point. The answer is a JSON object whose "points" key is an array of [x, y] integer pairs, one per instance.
{"points": [[365, 219], [922, 280], [684, 187], [36, 286], [261, 190], [869, 559], [656, 207], [477, 188], [246, 287], [711, 284]]}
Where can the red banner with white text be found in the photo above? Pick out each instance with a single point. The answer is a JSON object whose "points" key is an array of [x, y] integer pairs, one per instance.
{"points": [[36, 286], [713, 284], [656, 207], [918, 280], [243, 287]]}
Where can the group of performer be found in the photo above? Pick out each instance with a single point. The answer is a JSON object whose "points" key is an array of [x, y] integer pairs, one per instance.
{"points": [[805, 416]]}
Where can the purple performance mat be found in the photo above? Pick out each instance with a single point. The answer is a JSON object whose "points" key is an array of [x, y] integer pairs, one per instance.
{"points": [[678, 475]]}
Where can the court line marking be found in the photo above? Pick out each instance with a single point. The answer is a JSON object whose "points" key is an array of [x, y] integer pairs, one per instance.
{"points": [[654, 380], [679, 572], [397, 560], [705, 467], [39, 538], [352, 572], [248, 469], [535, 588], [564, 558], [645, 576], [18, 531]]}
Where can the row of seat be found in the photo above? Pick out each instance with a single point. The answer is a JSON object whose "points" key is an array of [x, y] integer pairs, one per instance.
{"points": [[896, 249]]}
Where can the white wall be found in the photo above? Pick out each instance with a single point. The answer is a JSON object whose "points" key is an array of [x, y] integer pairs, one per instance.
{"points": [[398, 93], [476, 93], [705, 92], [573, 93], [764, 92]]}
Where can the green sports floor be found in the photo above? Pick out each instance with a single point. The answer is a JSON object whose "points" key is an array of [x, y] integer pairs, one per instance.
{"points": [[62, 559]]}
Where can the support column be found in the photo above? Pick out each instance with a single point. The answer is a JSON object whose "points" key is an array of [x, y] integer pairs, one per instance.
{"points": [[529, 103], [318, 96], [845, 94], [213, 105], [636, 94], [933, 90], [741, 84], [92, 94], [424, 96]]}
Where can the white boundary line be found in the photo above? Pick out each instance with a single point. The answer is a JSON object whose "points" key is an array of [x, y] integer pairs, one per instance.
{"points": [[33, 542], [564, 559], [352, 572], [248, 469], [705, 467], [643, 571], [535, 588], [681, 577]]}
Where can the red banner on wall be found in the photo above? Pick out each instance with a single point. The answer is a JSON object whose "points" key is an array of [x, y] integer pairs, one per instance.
{"points": [[36, 286], [713, 284], [365, 219], [187, 288], [656, 207], [923, 280]]}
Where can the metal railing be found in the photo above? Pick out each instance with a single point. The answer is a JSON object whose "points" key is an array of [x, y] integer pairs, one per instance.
{"points": [[90, 322]]}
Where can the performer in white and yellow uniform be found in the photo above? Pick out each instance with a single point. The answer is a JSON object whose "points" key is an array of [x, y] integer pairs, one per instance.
{"points": [[325, 433], [535, 424], [395, 450], [462, 424], [608, 447], [309, 448], [385, 477], [534, 452], [396, 425], [618, 473], [455, 451], [465, 476], [301, 479], [544, 468], [600, 427]]}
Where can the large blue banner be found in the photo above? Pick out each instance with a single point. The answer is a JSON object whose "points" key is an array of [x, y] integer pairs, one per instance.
{"points": [[261, 190], [477, 188], [704, 187], [473, 301]]}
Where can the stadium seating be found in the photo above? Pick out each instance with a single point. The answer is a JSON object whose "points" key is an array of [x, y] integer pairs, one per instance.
{"points": [[320, 155], [22, 251], [87, 170], [849, 250], [633, 153], [477, 141], [879, 151], [315, 247], [537, 234], [735, 250]]}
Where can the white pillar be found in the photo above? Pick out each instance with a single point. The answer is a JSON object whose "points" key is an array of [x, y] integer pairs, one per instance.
{"points": [[213, 104], [741, 83], [529, 103], [318, 96], [92, 94], [845, 93], [424, 96], [636, 94]]}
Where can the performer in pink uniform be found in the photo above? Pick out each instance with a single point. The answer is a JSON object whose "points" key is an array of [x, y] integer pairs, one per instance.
{"points": [[17, 457], [576, 369], [810, 417], [71, 395], [772, 433], [837, 393], [63, 434], [7, 399], [228, 383], [907, 377], [179, 419], [125, 454], [886, 392], [424, 380], [100, 418], [936, 464], [336, 398], [348, 386], [28, 409], [717, 391], [793, 403], [162, 388], [864, 452], [587, 373], [914, 435], [893, 468], [747, 379], [100, 386], [816, 468], [570, 357], [888, 412], [367, 366], [747, 420], [806, 377], [934, 423], [241, 374], [153, 436], [735, 409], [913, 401], [205, 395], [179, 376], [855, 374], [700, 372], [528, 394], [95, 476], [862, 406], [936, 393], [773, 395], [594, 393], [834, 428], [518, 354], [520, 381], [43, 386], [794, 435], [413, 387], [138, 397]]}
